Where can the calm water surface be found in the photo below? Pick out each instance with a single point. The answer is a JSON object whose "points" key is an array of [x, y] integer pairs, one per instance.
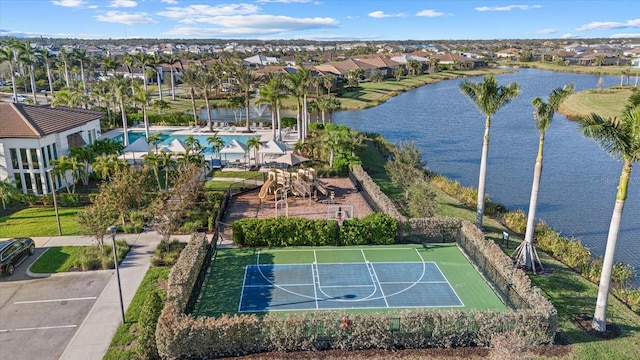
{"points": [[579, 180]]}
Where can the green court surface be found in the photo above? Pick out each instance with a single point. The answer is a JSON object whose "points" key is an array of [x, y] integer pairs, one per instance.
{"points": [[353, 279]]}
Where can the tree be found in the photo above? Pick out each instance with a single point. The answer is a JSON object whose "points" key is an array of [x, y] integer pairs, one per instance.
{"points": [[48, 59], [272, 93], [65, 165], [81, 56], [398, 72], [155, 139], [7, 54], [96, 218], [65, 57], [216, 142], [121, 89], [328, 104], [86, 156], [406, 166], [254, 143], [190, 78], [27, 56], [298, 83], [621, 139], [8, 192], [168, 163], [146, 62], [205, 81], [543, 115], [152, 161], [143, 97], [488, 98], [246, 79]]}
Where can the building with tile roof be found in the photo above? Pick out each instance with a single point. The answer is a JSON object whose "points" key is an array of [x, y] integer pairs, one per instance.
{"points": [[31, 136]]}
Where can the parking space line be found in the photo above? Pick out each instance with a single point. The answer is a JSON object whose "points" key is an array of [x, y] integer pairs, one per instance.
{"points": [[54, 300], [39, 328]]}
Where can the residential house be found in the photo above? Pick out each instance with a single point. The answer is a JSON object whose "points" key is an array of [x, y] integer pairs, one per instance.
{"points": [[32, 136]]}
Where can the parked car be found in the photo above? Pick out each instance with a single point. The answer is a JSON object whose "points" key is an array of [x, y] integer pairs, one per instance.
{"points": [[21, 98], [13, 252]]}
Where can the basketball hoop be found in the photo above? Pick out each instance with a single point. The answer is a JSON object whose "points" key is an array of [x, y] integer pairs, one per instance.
{"points": [[339, 216]]}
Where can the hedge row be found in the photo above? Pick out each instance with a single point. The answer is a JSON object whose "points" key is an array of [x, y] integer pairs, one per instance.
{"points": [[374, 228], [378, 200]]}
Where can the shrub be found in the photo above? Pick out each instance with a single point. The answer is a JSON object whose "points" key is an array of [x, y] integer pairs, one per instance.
{"points": [[47, 199], [151, 309], [192, 226], [167, 255], [516, 221], [70, 199]]}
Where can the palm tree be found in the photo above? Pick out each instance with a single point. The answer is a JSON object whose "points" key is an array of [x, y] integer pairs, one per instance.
{"points": [[298, 84], [254, 143], [143, 97], [145, 61], [205, 81], [121, 89], [8, 54], [65, 57], [272, 93], [331, 140], [245, 78], [153, 161], [621, 139], [488, 98], [65, 165], [190, 78], [103, 166], [110, 64], [168, 163], [216, 143], [8, 192], [154, 139], [328, 82], [328, 104], [192, 143], [81, 56], [47, 58], [543, 115], [67, 97], [27, 56]]}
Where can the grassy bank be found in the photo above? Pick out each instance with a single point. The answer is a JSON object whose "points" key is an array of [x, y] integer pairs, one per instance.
{"points": [[608, 103], [578, 69]]}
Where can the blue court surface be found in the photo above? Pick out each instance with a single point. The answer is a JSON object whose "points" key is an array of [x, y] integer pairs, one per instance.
{"points": [[333, 286]]}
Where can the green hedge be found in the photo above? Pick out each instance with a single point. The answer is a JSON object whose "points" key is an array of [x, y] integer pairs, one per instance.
{"points": [[374, 228]]}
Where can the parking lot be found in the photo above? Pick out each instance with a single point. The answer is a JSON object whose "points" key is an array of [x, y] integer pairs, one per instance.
{"points": [[38, 317]]}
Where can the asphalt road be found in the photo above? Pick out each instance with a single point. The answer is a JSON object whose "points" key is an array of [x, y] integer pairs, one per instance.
{"points": [[38, 317]]}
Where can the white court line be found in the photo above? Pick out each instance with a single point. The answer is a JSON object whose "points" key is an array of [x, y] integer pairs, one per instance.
{"points": [[244, 281], [450, 287], [54, 300], [39, 328]]}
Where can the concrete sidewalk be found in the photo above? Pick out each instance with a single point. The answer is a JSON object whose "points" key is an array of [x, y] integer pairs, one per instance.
{"points": [[94, 335]]}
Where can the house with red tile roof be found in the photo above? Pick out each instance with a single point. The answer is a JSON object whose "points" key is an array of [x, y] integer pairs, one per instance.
{"points": [[32, 136]]}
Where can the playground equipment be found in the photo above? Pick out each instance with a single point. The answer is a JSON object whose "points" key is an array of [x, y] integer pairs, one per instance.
{"points": [[265, 188]]}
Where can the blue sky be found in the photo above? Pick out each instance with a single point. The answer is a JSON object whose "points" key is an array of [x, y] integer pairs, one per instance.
{"points": [[321, 19]]}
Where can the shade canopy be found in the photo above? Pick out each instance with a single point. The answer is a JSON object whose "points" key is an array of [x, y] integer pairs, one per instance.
{"points": [[272, 148], [234, 147], [176, 147], [140, 145], [291, 159]]}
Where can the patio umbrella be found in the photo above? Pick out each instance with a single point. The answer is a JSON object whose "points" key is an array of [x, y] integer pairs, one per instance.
{"points": [[272, 149], [234, 147], [291, 159]]}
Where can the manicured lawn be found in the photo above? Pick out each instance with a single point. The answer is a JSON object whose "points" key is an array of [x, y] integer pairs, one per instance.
{"points": [[608, 103], [40, 221]]}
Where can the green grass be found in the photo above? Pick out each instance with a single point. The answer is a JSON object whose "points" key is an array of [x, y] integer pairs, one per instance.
{"points": [[608, 103], [121, 346], [579, 69], [70, 258], [221, 294], [40, 221], [237, 174]]}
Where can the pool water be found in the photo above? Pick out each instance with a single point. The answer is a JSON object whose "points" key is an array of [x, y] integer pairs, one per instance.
{"points": [[166, 138]]}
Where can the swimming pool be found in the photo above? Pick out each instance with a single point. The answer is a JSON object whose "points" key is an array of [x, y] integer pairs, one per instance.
{"points": [[166, 137]]}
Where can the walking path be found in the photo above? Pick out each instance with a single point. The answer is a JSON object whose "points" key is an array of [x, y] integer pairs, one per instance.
{"points": [[94, 335]]}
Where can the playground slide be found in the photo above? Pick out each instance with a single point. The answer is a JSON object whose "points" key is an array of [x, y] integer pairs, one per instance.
{"points": [[265, 188], [301, 189]]}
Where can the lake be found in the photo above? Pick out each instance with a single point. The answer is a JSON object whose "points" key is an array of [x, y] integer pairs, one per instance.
{"points": [[579, 180]]}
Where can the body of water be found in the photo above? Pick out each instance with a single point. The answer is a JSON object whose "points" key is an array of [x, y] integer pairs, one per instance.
{"points": [[579, 180]]}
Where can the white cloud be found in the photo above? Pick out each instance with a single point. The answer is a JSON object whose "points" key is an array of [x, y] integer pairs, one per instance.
{"points": [[125, 18], [169, 1], [382, 14], [430, 13], [69, 3], [199, 11], [546, 31], [568, 36], [123, 3], [623, 36], [606, 25], [283, 1], [508, 7]]}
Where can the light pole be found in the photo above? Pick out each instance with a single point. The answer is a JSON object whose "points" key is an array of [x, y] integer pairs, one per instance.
{"points": [[112, 229], [55, 202]]}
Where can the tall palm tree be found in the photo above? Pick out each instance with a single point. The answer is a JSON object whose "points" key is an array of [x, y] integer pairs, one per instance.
{"points": [[190, 78], [48, 60], [205, 81], [65, 57], [621, 139], [192, 143], [543, 115], [254, 143], [121, 89], [145, 61], [27, 56], [153, 161], [67, 97], [81, 57], [298, 83], [7, 54], [143, 97], [246, 79], [272, 93], [154, 139], [168, 163], [110, 64], [216, 143], [488, 98], [328, 82]]}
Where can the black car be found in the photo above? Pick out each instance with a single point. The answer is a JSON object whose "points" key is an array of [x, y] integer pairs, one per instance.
{"points": [[13, 252]]}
